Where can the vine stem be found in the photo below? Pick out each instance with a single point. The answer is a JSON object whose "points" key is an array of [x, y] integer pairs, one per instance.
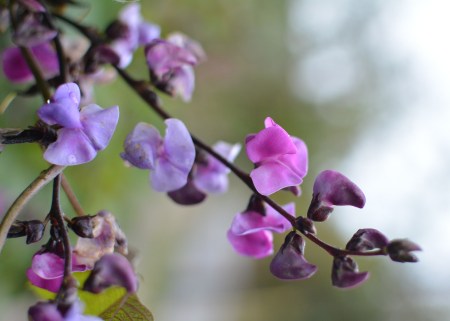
{"points": [[10, 216], [152, 100], [76, 205]]}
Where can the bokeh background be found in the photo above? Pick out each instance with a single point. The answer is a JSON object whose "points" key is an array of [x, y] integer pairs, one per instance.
{"points": [[364, 83]]}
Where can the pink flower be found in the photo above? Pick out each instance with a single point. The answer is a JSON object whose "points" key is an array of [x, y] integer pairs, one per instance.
{"points": [[250, 233], [47, 270], [281, 160]]}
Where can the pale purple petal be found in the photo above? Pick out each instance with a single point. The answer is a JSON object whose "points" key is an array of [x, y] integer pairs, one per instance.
{"points": [[99, 124], [75, 314], [141, 146], [182, 83], [131, 14], [289, 262], [250, 222], [273, 176], [256, 245], [124, 50], [16, 69], [167, 177], [269, 143], [179, 148], [210, 181], [148, 32], [72, 147], [184, 41]]}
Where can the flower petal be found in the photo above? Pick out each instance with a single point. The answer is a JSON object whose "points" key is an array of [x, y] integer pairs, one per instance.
{"points": [[167, 177], [141, 146], [179, 148], [273, 176], [72, 147], [256, 245], [99, 124]]}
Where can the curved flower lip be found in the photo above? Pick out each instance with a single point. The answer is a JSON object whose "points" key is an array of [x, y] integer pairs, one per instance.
{"points": [[345, 273], [251, 222], [257, 245], [281, 160]]}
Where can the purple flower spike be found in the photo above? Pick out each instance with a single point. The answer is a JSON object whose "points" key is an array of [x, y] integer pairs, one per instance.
{"points": [[250, 233], [16, 69], [169, 160], [111, 270], [47, 271], [83, 133], [332, 188], [345, 273], [281, 160], [289, 263], [367, 239]]}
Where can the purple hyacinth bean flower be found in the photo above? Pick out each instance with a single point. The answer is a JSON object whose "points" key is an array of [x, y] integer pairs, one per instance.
{"points": [[332, 188], [171, 68], [16, 68], [281, 160], [82, 133], [111, 270], [367, 239], [250, 233], [47, 270], [345, 273], [169, 160], [289, 263]]}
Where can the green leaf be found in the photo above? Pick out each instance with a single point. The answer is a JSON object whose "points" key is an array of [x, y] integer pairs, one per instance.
{"points": [[128, 308]]}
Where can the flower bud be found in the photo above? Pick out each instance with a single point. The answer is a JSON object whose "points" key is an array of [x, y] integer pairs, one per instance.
{"points": [[289, 263], [400, 251], [367, 239], [111, 269], [305, 225], [33, 230], [189, 194], [84, 226], [332, 188], [345, 273]]}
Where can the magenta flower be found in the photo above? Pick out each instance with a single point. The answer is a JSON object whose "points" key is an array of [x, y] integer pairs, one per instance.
{"points": [[169, 160], [250, 233], [281, 161], [171, 67], [82, 133], [208, 175], [289, 263], [47, 270], [332, 188], [133, 32], [345, 273], [16, 69]]}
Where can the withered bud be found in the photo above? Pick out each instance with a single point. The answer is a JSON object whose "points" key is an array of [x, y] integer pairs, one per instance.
{"points": [[84, 226], [400, 251]]}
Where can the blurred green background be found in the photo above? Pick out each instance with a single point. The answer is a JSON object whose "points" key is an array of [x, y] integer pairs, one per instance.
{"points": [[328, 73]]}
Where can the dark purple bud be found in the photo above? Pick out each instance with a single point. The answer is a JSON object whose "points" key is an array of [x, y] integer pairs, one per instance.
{"points": [[97, 56], [289, 263], [189, 194], [84, 226], [111, 269], [345, 273], [44, 311], [332, 188], [117, 30], [256, 204], [305, 225], [367, 239], [31, 31], [35, 230], [400, 251]]}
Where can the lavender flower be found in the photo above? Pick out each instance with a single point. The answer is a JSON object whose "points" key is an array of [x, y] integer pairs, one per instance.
{"points": [[169, 160], [281, 160], [332, 188], [82, 134], [250, 233], [289, 262]]}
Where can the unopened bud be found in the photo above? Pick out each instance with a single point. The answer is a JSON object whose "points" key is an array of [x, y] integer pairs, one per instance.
{"points": [[305, 225], [345, 273], [367, 239], [33, 230], [84, 226], [400, 251]]}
